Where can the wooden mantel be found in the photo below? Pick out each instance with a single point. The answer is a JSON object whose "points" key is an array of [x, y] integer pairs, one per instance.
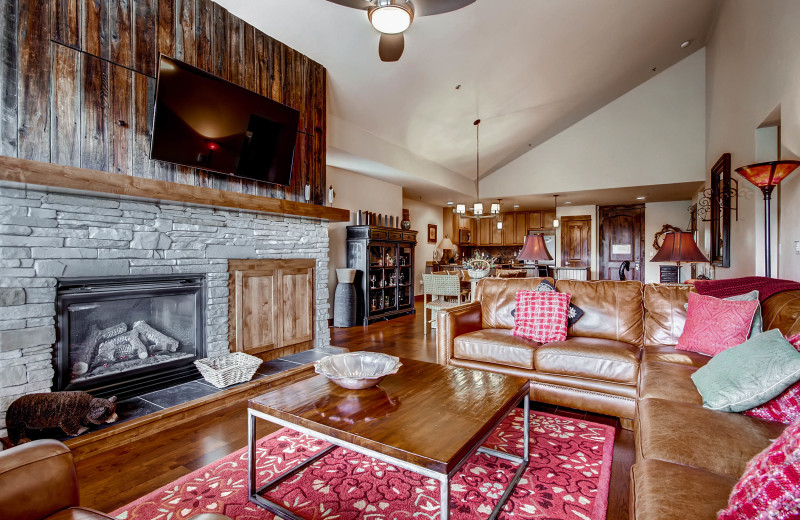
{"points": [[73, 178]]}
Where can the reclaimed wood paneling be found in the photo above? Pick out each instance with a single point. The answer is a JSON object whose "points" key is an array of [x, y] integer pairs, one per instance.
{"points": [[8, 78], [65, 106], [33, 33], [77, 85]]}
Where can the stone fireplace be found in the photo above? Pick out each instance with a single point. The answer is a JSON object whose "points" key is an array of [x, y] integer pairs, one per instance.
{"points": [[125, 336], [51, 242]]}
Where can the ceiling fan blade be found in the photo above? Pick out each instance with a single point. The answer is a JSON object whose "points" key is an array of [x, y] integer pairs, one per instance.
{"points": [[431, 7], [355, 4], [391, 47]]}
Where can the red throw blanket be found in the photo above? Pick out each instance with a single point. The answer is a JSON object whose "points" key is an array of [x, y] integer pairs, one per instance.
{"points": [[766, 287]]}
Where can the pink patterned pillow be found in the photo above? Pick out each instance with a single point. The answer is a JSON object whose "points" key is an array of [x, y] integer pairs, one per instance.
{"points": [[771, 482], [713, 325], [541, 316], [786, 407]]}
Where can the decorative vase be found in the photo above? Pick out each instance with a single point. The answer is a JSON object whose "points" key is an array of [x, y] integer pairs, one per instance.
{"points": [[344, 303], [406, 224]]}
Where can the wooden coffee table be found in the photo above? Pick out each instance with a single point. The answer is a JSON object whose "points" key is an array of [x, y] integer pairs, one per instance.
{"points": [[427, 418]]}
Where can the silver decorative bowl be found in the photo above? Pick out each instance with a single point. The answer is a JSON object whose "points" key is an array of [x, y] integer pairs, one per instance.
{"points": [[357, 370]]}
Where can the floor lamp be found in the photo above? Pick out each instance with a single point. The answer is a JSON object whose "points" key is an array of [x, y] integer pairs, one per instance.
{"points": [[766, 176], [679, 247]]}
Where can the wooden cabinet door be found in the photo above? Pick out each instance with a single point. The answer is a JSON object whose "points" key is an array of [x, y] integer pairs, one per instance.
{"points": [[254, 311], [547, 219], [497, 234], [509, 229], [535, 220], [520, 228], [297, 301], [485, 233]]}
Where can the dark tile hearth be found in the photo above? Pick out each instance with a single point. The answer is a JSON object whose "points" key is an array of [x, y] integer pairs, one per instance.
{"points": [[175, 395], [309, 356]]}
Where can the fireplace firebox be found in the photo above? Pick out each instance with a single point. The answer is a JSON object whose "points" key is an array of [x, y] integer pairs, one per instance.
{"points": [[127, 336]]}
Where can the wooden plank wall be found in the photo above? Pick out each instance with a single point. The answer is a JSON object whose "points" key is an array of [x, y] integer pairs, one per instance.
{"points": [[77, 84]]}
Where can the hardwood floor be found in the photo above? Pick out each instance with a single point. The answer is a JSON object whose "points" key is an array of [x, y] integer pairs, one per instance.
{"points": [[112, 479]]}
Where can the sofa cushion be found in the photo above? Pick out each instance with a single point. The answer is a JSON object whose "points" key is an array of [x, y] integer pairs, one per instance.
{"points": [[749, 374], [665, 491], [668, 381], [495, 346], [712, 324], [664, 313], [771, 485], [782, 311], [497, 299], [591, 358], [673, 355], [691, 435], [611, 309], [541, 316]]}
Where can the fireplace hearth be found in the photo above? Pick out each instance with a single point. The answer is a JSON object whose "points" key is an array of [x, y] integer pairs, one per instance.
{"points": [[126, 336]]}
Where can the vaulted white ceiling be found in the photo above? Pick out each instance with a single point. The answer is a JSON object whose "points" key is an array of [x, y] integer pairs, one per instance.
{"points": [[527, 68]]}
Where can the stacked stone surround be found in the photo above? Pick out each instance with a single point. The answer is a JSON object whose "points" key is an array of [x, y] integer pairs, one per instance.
{"points": [[45, 236]]}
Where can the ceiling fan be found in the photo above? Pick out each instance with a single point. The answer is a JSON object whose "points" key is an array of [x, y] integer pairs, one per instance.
{"points": [[392, 17]]}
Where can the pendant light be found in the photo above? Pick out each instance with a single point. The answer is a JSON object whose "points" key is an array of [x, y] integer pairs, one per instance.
{"points": [[555, 211]]}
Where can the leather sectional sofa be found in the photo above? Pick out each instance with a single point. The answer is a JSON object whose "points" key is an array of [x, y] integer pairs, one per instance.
{"points": [[620, 359]]}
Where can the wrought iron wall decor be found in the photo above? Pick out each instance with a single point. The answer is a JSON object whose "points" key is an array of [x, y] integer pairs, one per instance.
{"points": [[716, 206], [659, 236]]}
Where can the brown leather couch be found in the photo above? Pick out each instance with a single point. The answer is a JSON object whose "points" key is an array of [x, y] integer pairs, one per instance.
{"points": [[688, 458], [620, 359], [595, 369], [38, 481]]}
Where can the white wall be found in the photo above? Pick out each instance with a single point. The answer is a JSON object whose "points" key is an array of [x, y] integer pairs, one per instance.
{"points": [[421, 215], [656, 214], [753, 67], [356, 192], [654, 134], [566, 211]]}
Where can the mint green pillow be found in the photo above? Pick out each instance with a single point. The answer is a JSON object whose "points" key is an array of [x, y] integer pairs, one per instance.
{"points": [[750, 374], [758, 321]]}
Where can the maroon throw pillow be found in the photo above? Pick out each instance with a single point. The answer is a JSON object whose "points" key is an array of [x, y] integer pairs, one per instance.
{"points": [[771, 483], [541, 316], [786, 407], [713, 325]]}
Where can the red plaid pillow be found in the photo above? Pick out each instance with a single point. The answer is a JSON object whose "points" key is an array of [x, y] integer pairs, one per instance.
{"points": [[786, 407], [541, 316], [770, 483]]}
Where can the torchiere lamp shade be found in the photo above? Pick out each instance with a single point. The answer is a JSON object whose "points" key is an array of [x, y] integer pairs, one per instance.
{"points": [[534, 249], [679, 247], [767, 174]]}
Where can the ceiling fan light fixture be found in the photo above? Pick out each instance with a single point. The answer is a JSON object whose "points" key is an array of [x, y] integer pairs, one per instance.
{"points": [[391, 16]]}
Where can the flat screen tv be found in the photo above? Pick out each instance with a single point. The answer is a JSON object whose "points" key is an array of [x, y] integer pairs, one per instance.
{"points": [[206, 122]]}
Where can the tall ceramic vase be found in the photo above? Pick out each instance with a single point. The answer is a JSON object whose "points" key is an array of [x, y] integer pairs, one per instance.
{"points": [[344, 301]]}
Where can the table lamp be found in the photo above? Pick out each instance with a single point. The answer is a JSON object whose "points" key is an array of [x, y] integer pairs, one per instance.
{"points": [[445, 245], [766, 176], [679, 247], [534, 250]]}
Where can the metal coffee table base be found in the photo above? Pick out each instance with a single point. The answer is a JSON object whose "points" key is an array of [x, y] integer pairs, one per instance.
{"points": [[443, 478]]}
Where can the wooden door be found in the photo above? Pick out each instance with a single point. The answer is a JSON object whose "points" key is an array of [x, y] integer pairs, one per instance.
{"points": [[297, 299], [621, 231], [254, 324], [576, 233]]}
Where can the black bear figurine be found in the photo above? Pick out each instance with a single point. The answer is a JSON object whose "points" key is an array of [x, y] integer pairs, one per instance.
{"points": [[70, 411]]}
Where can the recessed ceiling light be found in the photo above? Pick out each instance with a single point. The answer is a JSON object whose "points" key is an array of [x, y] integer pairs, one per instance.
{"points": [[686, 44], [449, 202], [516, 206], [641, 198], [567, 202]]}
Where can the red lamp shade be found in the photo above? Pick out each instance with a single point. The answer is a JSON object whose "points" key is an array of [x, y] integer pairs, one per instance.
{"points": [[679, 247], [534, 249], [767, 174]]}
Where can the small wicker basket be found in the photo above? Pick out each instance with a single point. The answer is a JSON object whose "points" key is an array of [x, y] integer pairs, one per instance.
{"points": [[228, 369]]}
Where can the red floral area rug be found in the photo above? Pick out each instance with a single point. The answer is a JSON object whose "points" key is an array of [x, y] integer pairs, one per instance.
{"points": [[568, 477]]}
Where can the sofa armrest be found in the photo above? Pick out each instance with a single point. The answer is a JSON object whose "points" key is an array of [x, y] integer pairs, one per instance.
{"points": [[452, 323], [37, 479]]}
